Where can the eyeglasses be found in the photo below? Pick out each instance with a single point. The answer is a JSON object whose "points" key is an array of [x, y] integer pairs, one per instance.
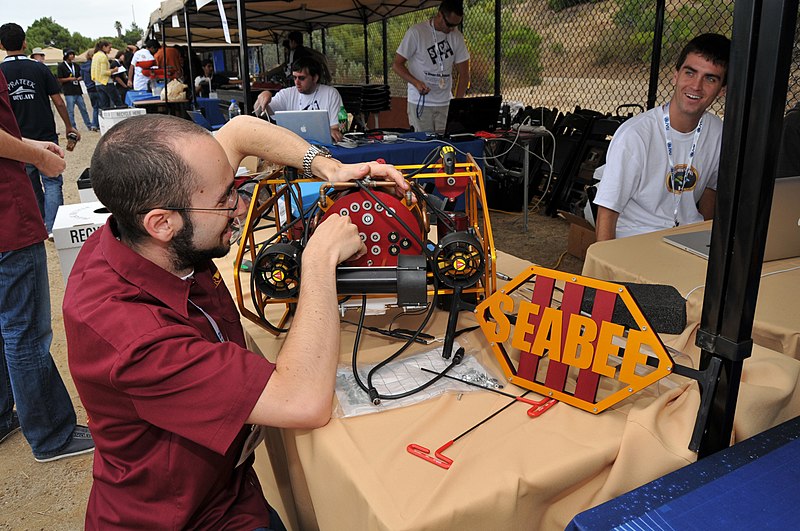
{"points": [[448, 24], [232, 201]]}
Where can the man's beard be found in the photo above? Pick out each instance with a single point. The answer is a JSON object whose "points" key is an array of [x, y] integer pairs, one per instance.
{"points": [[185, 255]]}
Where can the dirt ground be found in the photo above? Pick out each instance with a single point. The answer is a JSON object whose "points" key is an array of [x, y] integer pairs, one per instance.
{"points": [[53, 495]]}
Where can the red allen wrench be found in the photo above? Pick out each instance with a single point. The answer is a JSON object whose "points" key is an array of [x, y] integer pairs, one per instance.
{"points": [[538, 407]]}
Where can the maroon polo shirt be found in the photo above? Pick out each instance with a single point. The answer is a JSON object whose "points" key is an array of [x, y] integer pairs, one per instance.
{"points": [[21, 223], [166, 400]]}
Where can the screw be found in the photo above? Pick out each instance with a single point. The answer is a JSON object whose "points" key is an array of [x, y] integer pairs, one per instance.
{"points": [[644, 329], [630, 389], [595, 410]]}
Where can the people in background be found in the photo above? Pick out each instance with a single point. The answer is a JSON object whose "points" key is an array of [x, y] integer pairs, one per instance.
{"points": [[173, 62], [425, 59], [91, 89], [176, 401], [294, 49], [120, 76], [661, 166], [37, 54], [32, 87], [202, 83], [30, 379], [101, 75], [69, 75], [137, 79], [306, 94]]}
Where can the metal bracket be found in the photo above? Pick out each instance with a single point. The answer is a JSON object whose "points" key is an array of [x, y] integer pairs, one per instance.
{"points": [[723, 347]]}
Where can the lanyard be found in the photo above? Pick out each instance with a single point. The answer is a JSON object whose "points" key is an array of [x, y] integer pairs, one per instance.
{"points": [[211, 321], [439, 55], [71, 68], [678, 191], [17, 58]]}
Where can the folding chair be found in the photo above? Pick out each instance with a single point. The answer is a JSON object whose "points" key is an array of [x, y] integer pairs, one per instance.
{"points": [[198, 118]]}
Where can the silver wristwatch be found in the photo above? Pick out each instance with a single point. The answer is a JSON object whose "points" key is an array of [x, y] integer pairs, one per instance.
{"points": [[308, 158]]}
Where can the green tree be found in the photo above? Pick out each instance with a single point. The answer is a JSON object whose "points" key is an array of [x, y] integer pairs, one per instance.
{"points": [[46, 32], [118, 27], [133, 35]]}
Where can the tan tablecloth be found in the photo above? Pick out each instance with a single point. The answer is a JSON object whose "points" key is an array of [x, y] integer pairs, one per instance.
{"points": [[512, 473], [648, 259]]}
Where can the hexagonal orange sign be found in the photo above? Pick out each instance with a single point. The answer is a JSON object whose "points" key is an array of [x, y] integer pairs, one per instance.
{"points": [[547, 341]]}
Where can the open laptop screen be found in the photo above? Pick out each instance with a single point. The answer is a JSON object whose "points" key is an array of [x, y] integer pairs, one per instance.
{"points": [[470, 115], [309, 125]]}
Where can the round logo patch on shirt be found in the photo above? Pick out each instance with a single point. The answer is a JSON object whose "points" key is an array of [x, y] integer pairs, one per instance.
{"points": [[681, 182]]}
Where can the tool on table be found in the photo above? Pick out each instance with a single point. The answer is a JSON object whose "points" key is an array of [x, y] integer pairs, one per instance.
{"points": [[441, 460]]}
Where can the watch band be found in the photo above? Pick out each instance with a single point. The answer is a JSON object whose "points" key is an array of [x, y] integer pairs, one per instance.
{"points": [[308, 158]]}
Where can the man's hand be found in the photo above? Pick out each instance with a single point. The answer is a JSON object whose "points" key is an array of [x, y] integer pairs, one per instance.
{"points": [[337, 239], [262, 102], [73, 130], [421, 87], [336, 134], [51, 158], [377, 172]]}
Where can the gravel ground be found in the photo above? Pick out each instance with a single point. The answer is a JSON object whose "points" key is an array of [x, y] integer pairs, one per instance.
{"points": [[53, 495]]}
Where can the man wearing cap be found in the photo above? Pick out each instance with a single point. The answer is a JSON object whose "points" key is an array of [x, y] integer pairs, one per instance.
{"points": [[31, 86], [69, 75], [37, 54]]}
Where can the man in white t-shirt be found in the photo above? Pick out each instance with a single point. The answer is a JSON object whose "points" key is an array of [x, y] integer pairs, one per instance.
{"points": [[307, 94], [662, 165], [136, 79], [425, 59]]}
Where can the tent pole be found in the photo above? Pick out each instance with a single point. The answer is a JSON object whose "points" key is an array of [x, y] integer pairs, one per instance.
{"points": [[498, 46], [164, 55], [385, 41], [244, 62], [655, 56], [192, 88], [758, 73], [366, 54]]}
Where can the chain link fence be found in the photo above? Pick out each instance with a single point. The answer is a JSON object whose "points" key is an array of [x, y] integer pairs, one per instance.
{"points": [[554, 53]]}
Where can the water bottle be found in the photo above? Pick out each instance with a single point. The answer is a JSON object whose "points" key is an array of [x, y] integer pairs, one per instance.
{"points": [[342, 119], [233, 110]]}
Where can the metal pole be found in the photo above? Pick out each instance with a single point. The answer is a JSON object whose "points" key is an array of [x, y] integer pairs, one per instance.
{"points": [[498, 50], [366, 54], [655, 56], [164, 55], [324, 43], [763, 33], [385, 44], [244, 64], [192, 88]]}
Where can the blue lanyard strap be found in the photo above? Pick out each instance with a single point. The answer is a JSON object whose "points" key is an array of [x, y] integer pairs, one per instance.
{"points": [[677, 191], [211, 321]]}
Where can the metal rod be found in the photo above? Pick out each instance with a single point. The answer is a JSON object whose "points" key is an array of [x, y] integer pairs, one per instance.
{"points": [[655, 56], [498, 51], [190, 52]]}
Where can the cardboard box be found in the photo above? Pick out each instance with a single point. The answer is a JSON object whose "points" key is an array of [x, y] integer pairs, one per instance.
{"points": [[85, 190], [581, 234], [111, 117], [73, 226]]}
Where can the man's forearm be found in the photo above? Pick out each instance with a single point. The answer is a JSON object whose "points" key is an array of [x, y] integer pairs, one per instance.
{"points": [[61, 108], [463, 79], [606, 224]]}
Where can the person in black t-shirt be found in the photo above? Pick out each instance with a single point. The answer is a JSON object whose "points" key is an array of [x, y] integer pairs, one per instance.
{"points": [[31, 86], [69, 75]]}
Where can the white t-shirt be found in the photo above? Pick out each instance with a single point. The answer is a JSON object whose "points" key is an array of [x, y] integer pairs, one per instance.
{"points": [[430, 56], [324, 98], [635, 179], [140, 81]]}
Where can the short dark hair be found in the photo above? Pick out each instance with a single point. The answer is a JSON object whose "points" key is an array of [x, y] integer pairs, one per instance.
{"points": [[12, 36], [133, 173], [207, 62], [152, 43], [309, 64], [712, 47], [456, 7], [295, 36]]}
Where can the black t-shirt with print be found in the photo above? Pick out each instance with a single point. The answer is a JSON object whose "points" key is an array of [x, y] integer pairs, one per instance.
{"points": [[30, 84], [70, 88]]}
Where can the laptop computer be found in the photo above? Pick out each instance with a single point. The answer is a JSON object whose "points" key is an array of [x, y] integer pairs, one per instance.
{"points": [[783, 233], [312, 126], [467, 116]]}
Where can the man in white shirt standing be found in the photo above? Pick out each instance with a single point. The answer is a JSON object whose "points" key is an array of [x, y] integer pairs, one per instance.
{"points": [[136, 79], [662, 165], [425, 59], [307, 94]]}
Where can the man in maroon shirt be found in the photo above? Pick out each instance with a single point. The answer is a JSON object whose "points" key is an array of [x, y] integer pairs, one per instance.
{"points": [[44, 409], [156, 348]]}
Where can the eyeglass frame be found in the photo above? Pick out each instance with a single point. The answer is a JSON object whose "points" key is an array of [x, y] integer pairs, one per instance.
{"points": [[447, 23], [233, 193]]}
